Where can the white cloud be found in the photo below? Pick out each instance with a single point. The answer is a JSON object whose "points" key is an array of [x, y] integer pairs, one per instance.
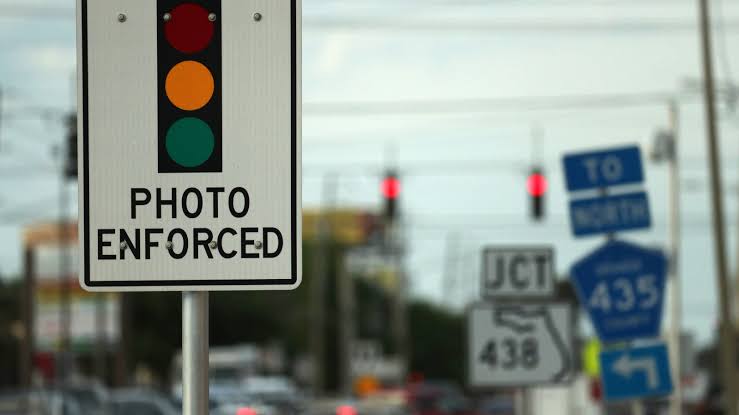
{"points": [[52, 60], [333, 53]]}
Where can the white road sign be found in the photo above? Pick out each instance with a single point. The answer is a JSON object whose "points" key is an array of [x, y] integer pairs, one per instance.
{"points": [[190, 144], [520, 345], [517, 272]]}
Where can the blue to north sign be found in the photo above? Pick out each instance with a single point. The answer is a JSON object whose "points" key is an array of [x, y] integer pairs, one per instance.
{"points": [[636, 373], [622, 285], [601, 169], [610, 214]]}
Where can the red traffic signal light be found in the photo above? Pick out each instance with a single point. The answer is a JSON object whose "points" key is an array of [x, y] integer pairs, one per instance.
{"points": [[537, 184], [390, 187]]}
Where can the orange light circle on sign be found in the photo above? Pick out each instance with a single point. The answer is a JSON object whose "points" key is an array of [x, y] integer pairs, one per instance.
{"points": [[189, 85]]}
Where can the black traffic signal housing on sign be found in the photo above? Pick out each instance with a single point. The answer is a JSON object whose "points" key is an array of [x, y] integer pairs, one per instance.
{"points": [[189, 76], [390, 189], [536, 187], [70, 147]]}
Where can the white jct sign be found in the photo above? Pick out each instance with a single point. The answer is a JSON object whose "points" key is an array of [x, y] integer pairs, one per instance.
{"points": [[520, 345], [517, 272]]}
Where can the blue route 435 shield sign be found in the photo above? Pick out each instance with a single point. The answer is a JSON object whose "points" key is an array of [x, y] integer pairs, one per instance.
{"points": [[622, 285]]}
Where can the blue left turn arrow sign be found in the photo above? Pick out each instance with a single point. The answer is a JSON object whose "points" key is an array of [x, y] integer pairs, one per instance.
{"points": [[636, 373]]}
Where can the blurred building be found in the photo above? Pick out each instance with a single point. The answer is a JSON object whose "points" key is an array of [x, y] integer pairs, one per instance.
{"points": [[64, 322]]}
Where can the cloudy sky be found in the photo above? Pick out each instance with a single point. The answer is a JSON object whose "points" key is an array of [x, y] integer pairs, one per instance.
{"points": [[426, 85]]}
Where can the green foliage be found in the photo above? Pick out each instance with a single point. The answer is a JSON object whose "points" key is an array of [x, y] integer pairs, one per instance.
{"points": [[437, 342], [10, 305]]}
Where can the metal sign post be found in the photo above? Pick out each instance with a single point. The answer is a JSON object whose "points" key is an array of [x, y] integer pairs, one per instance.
{"points": [[195, 353]]}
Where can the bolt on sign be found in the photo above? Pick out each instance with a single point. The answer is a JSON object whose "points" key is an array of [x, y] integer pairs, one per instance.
{"points": [[190, 149]]}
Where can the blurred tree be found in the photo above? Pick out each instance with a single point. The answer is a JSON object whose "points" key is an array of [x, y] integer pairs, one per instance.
{"points": [[10, 296], [437, 342]]}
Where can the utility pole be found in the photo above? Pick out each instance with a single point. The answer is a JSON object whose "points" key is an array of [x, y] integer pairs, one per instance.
{"points": [[65, 309], [27, 312], [101, 337], [676, 403], [400, 321], [451, 259], [347, 326], [318, 283], [1, 117], [728, 348]]}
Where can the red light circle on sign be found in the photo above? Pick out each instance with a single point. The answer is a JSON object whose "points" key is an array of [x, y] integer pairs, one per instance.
{"points": [[189, 30], [537, 185]]}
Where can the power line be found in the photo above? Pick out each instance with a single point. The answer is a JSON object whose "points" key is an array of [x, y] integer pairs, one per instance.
{"points": [[490, 26], [468, 105], [520, 3], [55, 12], [323, 23], [42, 12]]}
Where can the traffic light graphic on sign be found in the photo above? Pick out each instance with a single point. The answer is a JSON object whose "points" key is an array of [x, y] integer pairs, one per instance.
{"points": [[189, 76]]}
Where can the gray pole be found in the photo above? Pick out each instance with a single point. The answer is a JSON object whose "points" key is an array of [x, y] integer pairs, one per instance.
{"points": [[101, 337], [195, 353], [676, 407], [65, 306], [451, 259], [728, 348], [1, 116], [347, 319], [400, 306], [318, 282], [27, 312]]}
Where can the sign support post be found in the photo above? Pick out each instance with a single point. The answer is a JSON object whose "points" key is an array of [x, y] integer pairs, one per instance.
{"points": [[195, 353]]}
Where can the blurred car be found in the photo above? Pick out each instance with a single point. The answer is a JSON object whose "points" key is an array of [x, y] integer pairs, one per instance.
{"points": [[276, 391], [438, 398], [140, 402], [498, 405], [89, 397], [383, 404], [233, 408], [328, 406], [37, 402]]}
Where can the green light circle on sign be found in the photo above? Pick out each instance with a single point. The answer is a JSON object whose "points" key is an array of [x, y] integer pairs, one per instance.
{"points": [[190, 142]]}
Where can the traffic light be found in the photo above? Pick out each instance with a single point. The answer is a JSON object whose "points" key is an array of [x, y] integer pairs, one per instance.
{"points": [[189, 69], [390, 189], [536, 186], [70, 147]]}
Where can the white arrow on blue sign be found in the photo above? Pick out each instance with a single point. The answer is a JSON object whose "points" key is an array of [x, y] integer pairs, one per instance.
{"points": [[636, 373], [622, 285]]}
